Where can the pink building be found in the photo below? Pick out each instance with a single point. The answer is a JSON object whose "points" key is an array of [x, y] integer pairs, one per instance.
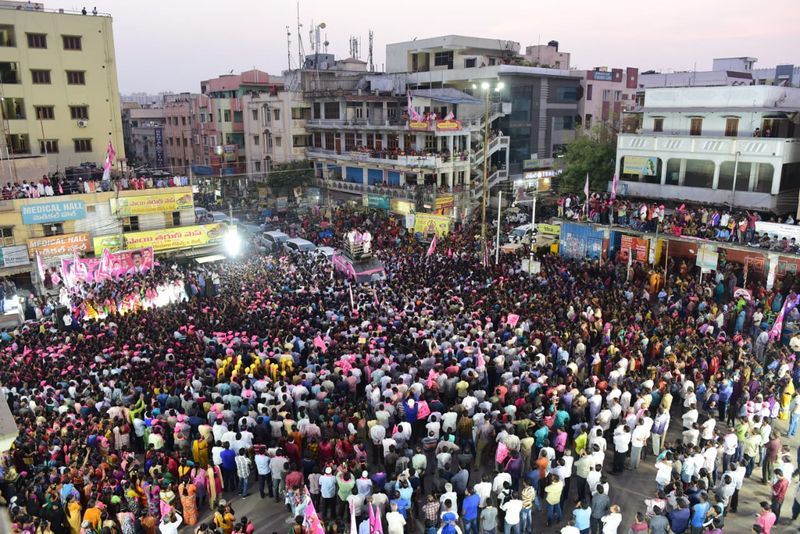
{"points": [[179, 148], [606, 94]]}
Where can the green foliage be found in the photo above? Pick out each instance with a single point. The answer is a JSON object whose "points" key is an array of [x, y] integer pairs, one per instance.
{"points": [[591, 152], [285, 176]]}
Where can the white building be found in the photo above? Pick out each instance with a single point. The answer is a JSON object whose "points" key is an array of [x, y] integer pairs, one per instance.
{"points": [[693, 140]]}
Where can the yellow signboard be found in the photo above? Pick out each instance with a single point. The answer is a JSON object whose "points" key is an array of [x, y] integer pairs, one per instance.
{"points": [[427, 224], [549, 229], [144, 204], [403, 207], [166, 239]]}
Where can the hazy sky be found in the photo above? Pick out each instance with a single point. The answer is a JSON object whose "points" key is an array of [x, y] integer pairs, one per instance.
{"points": [[170, 45]]}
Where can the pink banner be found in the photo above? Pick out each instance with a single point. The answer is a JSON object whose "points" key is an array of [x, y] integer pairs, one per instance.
{"points": [[108, 266]]}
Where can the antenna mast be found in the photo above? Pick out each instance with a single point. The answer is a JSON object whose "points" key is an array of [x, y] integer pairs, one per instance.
{"points": [[289, 47], [299, 38], [371, 65]]}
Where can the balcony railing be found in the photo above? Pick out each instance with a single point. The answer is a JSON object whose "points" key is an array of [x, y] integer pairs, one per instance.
{"points": [[746, 146], [428, 161]]}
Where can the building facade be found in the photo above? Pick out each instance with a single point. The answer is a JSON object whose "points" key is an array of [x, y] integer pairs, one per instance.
{"points": [[179, 131], [547, 56], [143, 132], [60, 96], [606, 95], [718, 145], [220, 118]]}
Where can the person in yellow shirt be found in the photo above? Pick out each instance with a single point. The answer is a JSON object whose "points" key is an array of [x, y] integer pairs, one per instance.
{"points": [[552, 495], [93, 514]]}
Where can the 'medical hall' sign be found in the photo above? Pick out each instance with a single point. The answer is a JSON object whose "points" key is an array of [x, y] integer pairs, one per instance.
{"points": [[50, 212]]}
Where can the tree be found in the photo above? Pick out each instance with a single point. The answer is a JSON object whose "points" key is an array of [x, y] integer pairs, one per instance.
{"points": [[590, 152], [286, 176]]}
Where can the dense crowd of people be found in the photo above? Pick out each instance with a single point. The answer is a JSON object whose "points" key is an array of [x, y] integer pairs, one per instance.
{"points": [[57, 185], [451, 397], [704, 222]]}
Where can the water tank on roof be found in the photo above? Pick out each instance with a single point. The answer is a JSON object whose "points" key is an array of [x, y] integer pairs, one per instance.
{"points": [[553, 44]]}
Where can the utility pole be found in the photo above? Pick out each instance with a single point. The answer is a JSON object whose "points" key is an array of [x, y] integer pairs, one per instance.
{"points": [[485, 166]]}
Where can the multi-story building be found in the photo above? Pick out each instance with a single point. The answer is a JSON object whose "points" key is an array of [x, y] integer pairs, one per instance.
{"points": [[143, 132], [147, 99], [547, 56], [274, 128], [541, 108], [60, 97], [606, 95], [179, 131], [719, 145], [221, 118]]}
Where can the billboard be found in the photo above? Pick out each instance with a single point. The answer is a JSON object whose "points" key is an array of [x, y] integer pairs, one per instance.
{"points": [[14, 256], [377, 202], [427, 224], [418, 125], [641, 165], [50, 212], [166, 239], [144, 204], [638, 247], [450, 125], [59, 245], [106, 266]]}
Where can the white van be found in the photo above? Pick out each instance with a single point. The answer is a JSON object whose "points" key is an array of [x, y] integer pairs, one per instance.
{"points": [[521, 234], [297, 244], [273, 239]]}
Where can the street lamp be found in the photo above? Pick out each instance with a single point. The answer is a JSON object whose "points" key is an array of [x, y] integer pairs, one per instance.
{"points": [[485, 89]]}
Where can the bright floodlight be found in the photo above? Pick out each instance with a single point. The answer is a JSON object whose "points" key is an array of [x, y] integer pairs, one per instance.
{"points": [[232, 242], [484, 85], [474, 86], [499, 86]]}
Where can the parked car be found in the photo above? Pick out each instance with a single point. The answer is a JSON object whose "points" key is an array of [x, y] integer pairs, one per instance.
{"points": [[297, 244], [273, 239]]}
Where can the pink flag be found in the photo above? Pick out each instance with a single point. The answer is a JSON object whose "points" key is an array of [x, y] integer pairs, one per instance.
{"points": [[320, 344], [614, 188], [481, 360], [788, 305], [586, 192], [512, 320], [375, 525], [412, 113], [40, 266], [109, 162], [432, 247], [312, 524]]}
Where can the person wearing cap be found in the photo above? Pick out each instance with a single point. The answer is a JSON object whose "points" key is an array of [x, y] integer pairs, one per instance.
{"points": [[327, 485]]}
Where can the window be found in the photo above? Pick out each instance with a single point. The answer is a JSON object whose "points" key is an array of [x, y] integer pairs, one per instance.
{"points": [[589, 88], [696, 126], [349, 141], [567, 93], [257, 166], [48, 146], [331, 110], [44, 112], [299, 113], [658, 124], [731, 127], [53, 229], [76, 77], [606, 95], [277, 141], [276, 114], [176, 218], [71, 42], [7, 35], [7, 235], [37, 40], [83, 145], [587, 122], [255, 114], [443, 59], [226, 115], [430, 142], [40, 76], [470, 62], [130, 224], [617, 96], [79, 112], [255, 140], [699, 173], [300, 140], [566, 122], [183, 121]]}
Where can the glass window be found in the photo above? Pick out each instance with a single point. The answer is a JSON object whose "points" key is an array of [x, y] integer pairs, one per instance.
{"points": [[331, 110], [725, 182], [443, 59], [83, 145], [40, 76], [764, 174], [696, 126], [53, 229], [521, 103], [44, 112], [79, 112], [76, 77], [37, 40], [567, 93], [589, 88], [699, 173], [72, 42], [673, 171], [658, 124], [48, 146]]}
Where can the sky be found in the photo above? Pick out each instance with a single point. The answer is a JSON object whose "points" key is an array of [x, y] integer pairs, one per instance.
{"points": [[171, 45]]}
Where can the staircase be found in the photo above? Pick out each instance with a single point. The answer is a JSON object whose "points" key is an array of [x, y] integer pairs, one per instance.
{"points": [[498, 143], [476, 191]]}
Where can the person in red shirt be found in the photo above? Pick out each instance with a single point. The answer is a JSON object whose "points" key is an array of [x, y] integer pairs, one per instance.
{"points": [[294, 478], [765, 519], [778, 493]]}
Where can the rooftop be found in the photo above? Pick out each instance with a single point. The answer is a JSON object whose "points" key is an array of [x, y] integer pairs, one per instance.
{"points": [[38, 7], [723, 97]]}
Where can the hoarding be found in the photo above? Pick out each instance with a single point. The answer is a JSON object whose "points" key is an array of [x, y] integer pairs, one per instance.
{"points": [[548, 229], [378, 202], [109, 265], [449, 125], [580, 241], [59, 245], [418, 125], [166, 239], [14, 256], [144, 204], [428, 224], [638, 247], [641, 165], [50, 212]]}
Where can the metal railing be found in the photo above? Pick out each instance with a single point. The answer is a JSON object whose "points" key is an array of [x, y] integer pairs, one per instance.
{"points": [[495, 178]]}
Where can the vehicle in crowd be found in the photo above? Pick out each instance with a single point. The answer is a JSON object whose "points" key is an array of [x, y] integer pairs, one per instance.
{"points": [[298, 244], [202, 216], [328, 252], [221, 216], [522, 234], [273, 239]]}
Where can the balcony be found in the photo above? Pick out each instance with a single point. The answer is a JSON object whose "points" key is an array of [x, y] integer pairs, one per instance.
{"points": [[387, 157], [13, 108], [407, 192], [654, 144]]}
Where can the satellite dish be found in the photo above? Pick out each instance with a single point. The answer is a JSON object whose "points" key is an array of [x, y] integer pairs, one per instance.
{"points": [[322, 25]]}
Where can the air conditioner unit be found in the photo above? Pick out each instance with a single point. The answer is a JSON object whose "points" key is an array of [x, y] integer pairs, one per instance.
{"points": [[83, 123]]}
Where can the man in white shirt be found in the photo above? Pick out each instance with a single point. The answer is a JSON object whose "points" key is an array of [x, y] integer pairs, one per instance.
{"points": [[690, 417], [395, 521], [691, 435], [707, 430], [622, 442], [483, 490], [638, 440], [664, 473]]}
